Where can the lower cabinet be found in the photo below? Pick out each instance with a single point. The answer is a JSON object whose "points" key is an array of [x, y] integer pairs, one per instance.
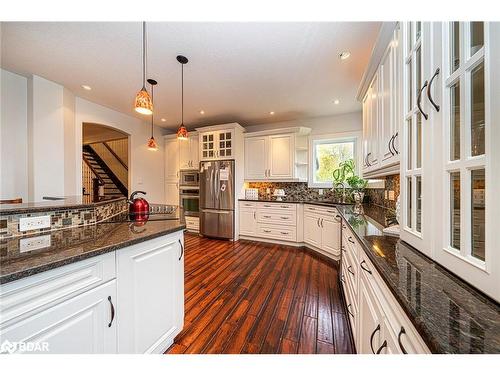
{"points": [[150, 284], [379, 324], [80, 325], [312, 229], [128, 301], [322, 229]]}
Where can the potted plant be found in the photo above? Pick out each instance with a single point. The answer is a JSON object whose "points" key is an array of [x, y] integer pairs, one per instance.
{"points": [[358, 186]]}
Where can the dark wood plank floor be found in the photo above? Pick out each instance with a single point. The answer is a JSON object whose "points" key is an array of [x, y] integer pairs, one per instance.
{"points": [[252, 297]]}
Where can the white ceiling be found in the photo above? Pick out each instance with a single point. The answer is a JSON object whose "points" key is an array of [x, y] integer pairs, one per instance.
{"points": [[236, 71]]}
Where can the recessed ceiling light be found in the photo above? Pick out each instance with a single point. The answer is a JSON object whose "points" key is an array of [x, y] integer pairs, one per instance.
{"points": [[271, 113], [202, 112], [86, 87], [336, 101], [163, 119], [344, 55]]}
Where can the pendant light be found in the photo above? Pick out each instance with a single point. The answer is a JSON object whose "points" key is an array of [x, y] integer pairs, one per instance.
{"points": [[143, 103], [182, 132], [152, 145]]}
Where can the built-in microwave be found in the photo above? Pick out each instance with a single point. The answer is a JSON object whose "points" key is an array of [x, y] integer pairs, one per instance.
{"points": [[189, 178]]}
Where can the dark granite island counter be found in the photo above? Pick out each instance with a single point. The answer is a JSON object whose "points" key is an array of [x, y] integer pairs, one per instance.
{"points": [[449, 314]]}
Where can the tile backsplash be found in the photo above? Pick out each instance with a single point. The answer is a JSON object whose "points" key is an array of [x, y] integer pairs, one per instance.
{"points": [[300, 191]]}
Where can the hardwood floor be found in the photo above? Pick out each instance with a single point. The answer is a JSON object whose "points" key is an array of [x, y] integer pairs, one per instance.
{"points": [[252, 297]]}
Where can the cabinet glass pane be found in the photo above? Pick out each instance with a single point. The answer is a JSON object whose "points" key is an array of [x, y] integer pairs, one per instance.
{"points": [[478, 213], [455, 121], [228, 135], [408, 202], [409, 41], [210, 137], [419, 203], [228, 152], [455, 46], [221, 136], [419, 140], [410, 144], [418, 65], [221, 144], [228, 144], [476, 36], [455, 210], [477, 110], [222, 152], [410, 86], [418, 30]]}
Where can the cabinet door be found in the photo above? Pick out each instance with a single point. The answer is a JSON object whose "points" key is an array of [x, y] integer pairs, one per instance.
{"points": [[207, 146], [79, 325], [248, 223], [256, 157], [312, 230], [366, 125], [172, 193], [171, 159], [194, 151], [372, 156], [330, 235], [185, 153], [224, 147], [150, 284], [386, 103], [370, 320], [281, 160]]}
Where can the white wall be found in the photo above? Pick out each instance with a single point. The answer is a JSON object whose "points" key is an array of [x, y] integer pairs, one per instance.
{"points": [[146, 168], [13, 136], [348, 122], [71, 149]]}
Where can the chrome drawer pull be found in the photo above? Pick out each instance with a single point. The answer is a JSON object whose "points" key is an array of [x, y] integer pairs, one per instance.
{"points": [[384, 344], [267, 217], [350, 313], [286, 233], [402, 332], [112, 311], [371, 337], [349, 269], [343, 248], [350, 239], [267, 231], [285, 217]]}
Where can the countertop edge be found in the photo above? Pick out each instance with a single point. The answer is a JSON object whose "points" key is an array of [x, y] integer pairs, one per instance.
{"points": [[51, 206], [4, 279]]}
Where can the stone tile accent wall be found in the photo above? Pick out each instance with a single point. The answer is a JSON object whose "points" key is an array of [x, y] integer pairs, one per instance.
{"points": [[377, 196], [64, 218]]}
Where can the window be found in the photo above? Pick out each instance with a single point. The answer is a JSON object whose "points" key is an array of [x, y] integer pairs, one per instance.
{"points": [[326, 154]]}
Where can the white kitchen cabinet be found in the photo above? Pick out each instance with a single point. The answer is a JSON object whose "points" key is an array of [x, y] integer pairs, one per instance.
{"points": [[277, 155], [171, 158], [150, 285], [330, 235], [312, 229], [256, 156], [217, 144], [248, 221], [370, 320], [83, 324], [172, 193], [188, 152]]}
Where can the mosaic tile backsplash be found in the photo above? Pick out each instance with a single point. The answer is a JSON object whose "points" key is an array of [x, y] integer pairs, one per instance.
{"points": [[64, 218], [299, 191]]}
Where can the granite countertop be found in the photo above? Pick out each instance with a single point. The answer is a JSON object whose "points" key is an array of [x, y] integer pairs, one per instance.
{"points": [[52, 203], [75, 244], [450, 315]]}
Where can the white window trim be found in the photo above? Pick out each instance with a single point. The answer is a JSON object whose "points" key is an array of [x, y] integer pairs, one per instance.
{"points": [[337, 137]]}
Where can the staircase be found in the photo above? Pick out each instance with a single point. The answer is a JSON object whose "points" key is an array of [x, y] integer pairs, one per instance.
{"points": [[112, 185]]}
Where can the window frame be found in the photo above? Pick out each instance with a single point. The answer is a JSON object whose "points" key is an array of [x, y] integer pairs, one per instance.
{"points": [[333, 138]]}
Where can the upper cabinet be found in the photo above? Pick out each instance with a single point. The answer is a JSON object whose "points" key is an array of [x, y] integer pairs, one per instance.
{"points": [[171, 157], [220, 142], [381, 96], [188, 152], [279, 155], [451, 158]]}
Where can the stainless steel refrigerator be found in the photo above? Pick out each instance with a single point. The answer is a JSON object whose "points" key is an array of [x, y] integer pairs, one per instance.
{"points": [[217, 198]]}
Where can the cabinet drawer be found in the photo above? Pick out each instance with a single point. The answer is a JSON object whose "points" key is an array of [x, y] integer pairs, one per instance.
{"points": [[277, 232], [244, 204], [281, 206], [25, 297], [192, 223], [352, 309], [350, 243], [280, 217], [321, 209], [351, 269]]}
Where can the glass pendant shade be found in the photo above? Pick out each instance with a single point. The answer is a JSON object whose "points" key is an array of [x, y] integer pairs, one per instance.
{"points": [[182, 133], [143, 103], [152, 145]]}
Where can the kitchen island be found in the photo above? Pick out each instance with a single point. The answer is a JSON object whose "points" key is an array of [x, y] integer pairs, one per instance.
{"points": [[110, 287]]}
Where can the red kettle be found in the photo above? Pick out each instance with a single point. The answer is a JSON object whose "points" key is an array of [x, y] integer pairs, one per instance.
{"points": [[138, 205]]}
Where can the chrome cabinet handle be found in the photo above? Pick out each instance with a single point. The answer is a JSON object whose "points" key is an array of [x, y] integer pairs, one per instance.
{"points": [[419, 100], [402, 332], [285, 217], [285, 233], [343, 248], [321, 222], [182, 250], [350, 239], [318, 222], [394, 140], [384, 344], [365, 269], [349, 269], [429, 95], [112, 311], [342, 278], [367, 157], [254, 215], [267, 216], [372, 336], [267, 231], [350, 313]]}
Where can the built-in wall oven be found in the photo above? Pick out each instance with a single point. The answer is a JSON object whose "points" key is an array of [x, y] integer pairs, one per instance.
{"points": [[189, 200]]}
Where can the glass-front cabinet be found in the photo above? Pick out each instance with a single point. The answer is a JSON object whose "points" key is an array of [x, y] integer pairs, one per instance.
{"points": [[216, 145], [450, 177]]}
